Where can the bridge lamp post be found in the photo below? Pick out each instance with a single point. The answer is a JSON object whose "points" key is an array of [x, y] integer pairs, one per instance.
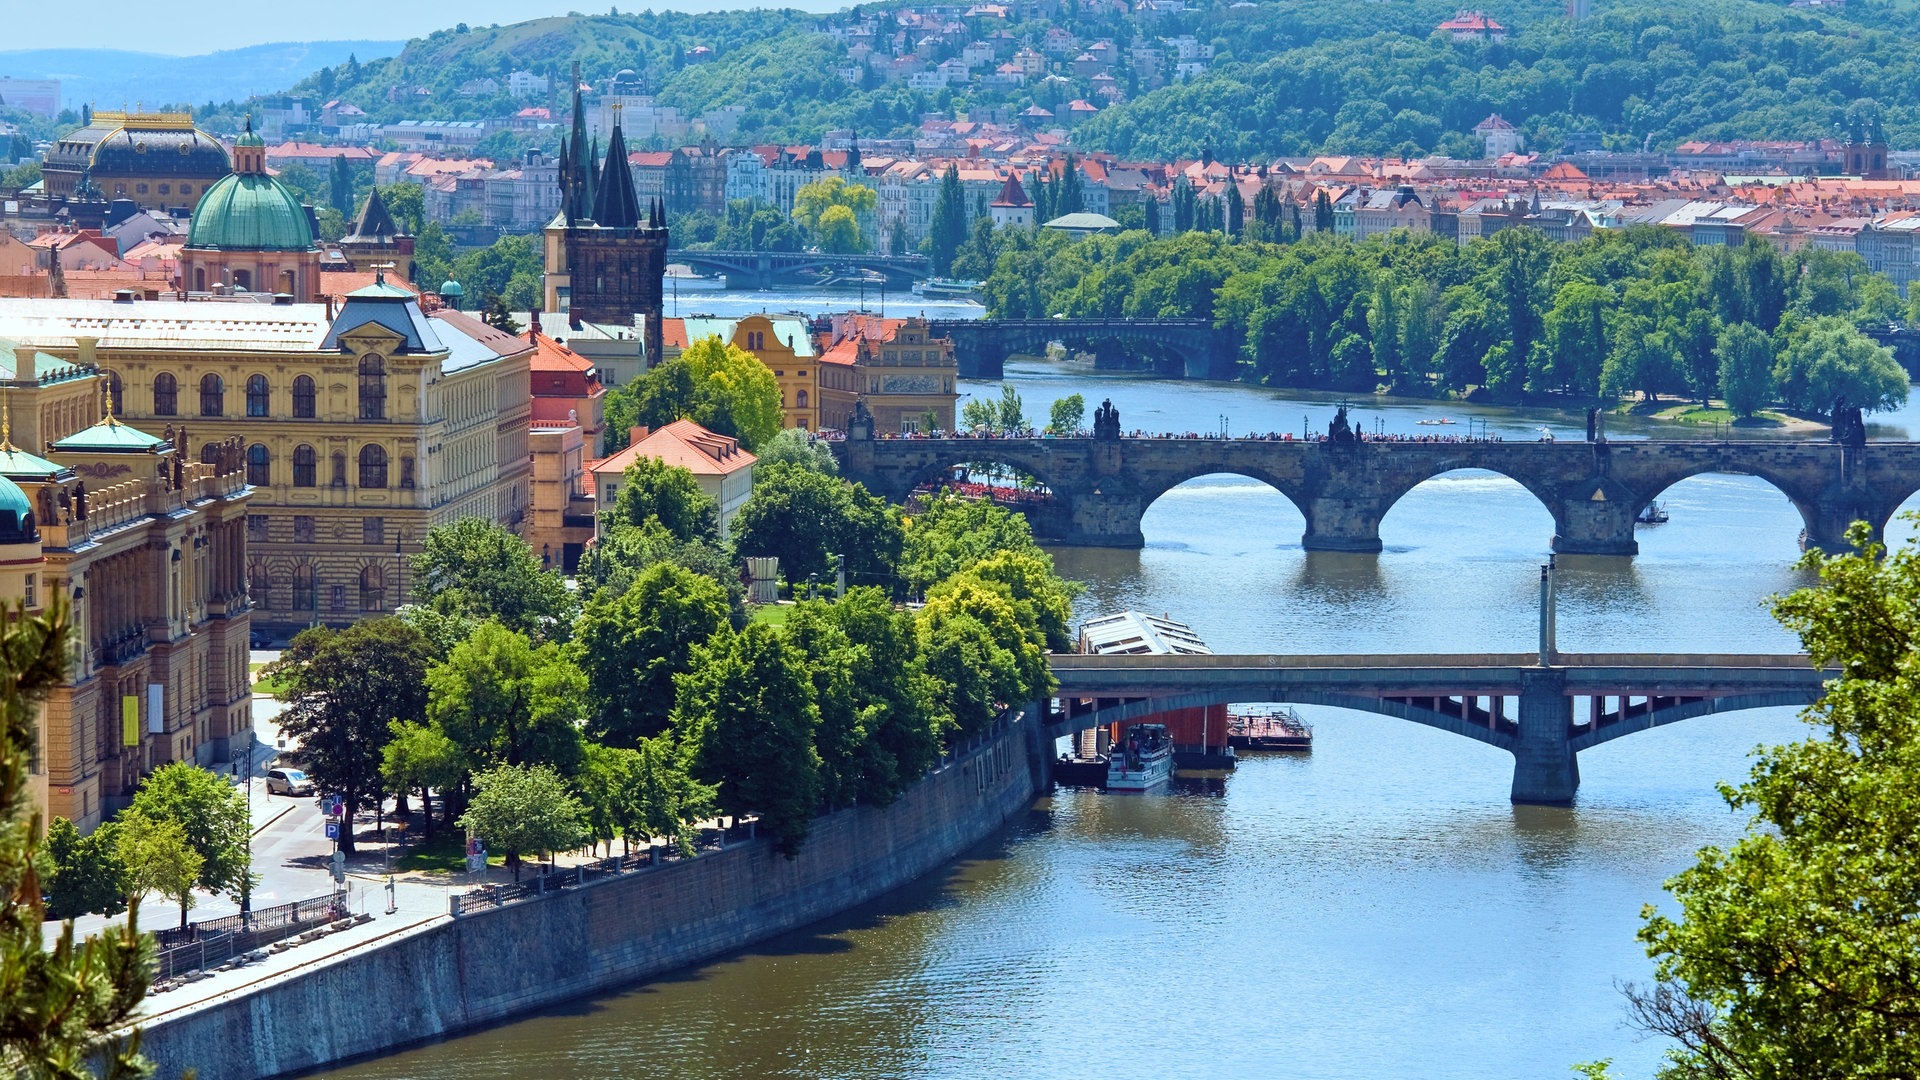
{"points": [[1548, 645]]}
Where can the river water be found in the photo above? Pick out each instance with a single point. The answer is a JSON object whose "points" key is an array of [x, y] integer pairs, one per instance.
{"points": [[1376, 909]]}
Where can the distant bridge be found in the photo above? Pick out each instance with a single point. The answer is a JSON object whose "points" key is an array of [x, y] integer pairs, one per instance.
{"points": [[763, 269], [1543, 715], [1101, 488], [1189, 347]]}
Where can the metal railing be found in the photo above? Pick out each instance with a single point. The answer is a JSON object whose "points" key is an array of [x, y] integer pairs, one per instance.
{"points": [[558, 880], [215, 941]]}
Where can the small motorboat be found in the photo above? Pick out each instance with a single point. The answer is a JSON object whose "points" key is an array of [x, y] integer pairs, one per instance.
{"points": [[1435, 422], [1654, 513]]}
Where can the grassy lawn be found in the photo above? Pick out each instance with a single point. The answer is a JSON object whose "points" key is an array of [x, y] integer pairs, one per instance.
{"points": [[770, 614], [446, 853], [265, 686]]}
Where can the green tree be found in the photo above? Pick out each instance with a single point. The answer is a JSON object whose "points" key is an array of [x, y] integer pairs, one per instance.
{"points": [[158, 858], [480, 569], [343, 688], [212, 815], [838, 232], [1792, 953], [949, 221], [63, 1003], [805, 518], [421, 757], [524, 810], [1746, 368], [624, 552], [505, 701], [716, 385], [798, 447], [953, 533], [633, 644], [88, 877], [1012, 413], [1574, 338], [903, 721], [1067, 415], [652, 490], [746, 702], [1826, 360], [815, 206]]}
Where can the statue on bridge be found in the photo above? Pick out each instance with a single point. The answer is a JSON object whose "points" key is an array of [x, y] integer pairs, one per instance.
{"points": [[860, 426], [1106, 421], [1849, 425], [1339, 430]]}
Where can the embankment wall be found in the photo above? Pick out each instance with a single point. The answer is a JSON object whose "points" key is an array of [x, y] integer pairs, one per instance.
{"points": [[497, 964]]}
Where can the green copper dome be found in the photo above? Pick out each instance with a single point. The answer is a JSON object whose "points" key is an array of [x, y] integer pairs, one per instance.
{"points": [[250, 212], [16, 514]]}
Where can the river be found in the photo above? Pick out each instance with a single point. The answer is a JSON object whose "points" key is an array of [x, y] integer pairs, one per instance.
{"points": [[1374, 910]]}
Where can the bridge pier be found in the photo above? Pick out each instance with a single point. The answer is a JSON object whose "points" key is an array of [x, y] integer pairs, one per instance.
{"points": [[1336, 524], [1546, 769], [1596, 526]]}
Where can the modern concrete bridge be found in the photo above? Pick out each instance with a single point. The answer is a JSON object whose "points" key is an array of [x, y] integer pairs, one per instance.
{"points": [[1543, 715], [761, 269], [1102, 486]]}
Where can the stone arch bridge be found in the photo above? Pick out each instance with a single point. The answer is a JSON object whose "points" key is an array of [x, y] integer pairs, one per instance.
{"points": [[1594, 490], [1193, 348], [1542, 714]]}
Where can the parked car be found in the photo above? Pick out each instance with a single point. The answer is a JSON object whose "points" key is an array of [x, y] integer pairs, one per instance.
{"points": [[288, 782]]}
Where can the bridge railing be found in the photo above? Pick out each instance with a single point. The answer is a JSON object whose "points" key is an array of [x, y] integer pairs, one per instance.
{"points": [[1070, 662]]}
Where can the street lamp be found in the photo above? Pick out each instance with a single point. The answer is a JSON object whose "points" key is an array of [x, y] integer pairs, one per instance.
{"points": [[243, 755]]}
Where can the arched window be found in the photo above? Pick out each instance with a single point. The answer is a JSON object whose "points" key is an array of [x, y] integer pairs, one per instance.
{"points": [[260, 586], [373, 466], [373, 388], [373, 589], [304, 462], [166, 395], [305, 598], [213, 395], [259, 465], [801, 399], [257, 395], [303, 397], [116, 393], [209, 453]]}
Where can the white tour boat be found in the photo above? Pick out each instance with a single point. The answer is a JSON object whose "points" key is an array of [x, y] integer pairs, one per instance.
{"points": [[1141, 762]]}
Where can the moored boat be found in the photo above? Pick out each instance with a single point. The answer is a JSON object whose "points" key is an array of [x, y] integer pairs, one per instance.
{"points": [[1268, 729], [946, 289], [1654, 513], [1142, 762]]}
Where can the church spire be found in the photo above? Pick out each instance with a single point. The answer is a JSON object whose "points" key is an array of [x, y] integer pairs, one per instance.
{"points": [[617, 204], [576, 166]]}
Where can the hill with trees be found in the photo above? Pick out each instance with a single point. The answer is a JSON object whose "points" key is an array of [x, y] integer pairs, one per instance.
{"points": [[1342, 76]]}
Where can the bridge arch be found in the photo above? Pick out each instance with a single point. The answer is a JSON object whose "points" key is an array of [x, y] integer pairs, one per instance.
{"points": [[1453, 467], [1501, 737], [1802, 502], [1163, 483], [1590, 735]]}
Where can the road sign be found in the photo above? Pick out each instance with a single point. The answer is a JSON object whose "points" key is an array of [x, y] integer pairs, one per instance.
{"points": [[339, 866], [333, 830]]}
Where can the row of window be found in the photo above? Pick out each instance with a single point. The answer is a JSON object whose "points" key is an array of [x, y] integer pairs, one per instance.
{"points": [[141, 189], [306, 467], [306, 589], [213, 393], [373, 530]]}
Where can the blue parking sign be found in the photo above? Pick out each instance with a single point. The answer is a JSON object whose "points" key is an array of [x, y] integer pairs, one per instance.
{"points": [[333, 830]]}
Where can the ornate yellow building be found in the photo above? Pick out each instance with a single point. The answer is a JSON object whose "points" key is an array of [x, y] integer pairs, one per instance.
{"points": [[359, 430], [150, 550], [158, 160], [906, 374], [784, 343]]}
